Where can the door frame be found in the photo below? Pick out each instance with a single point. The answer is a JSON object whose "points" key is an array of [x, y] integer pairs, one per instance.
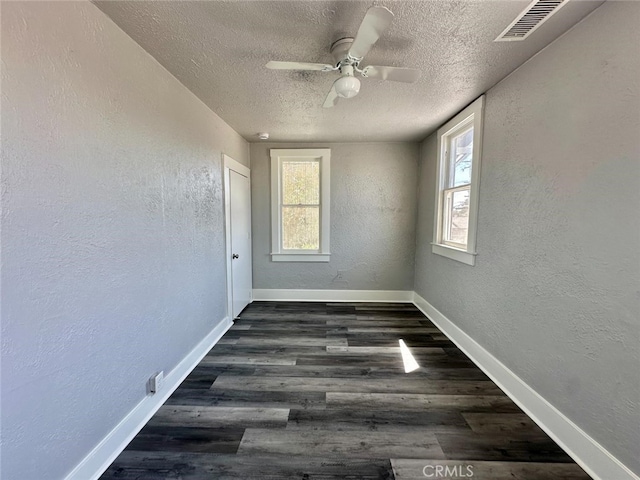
{"points": [[228, 165]]}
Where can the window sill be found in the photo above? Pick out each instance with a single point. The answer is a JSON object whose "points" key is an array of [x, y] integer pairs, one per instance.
{"points": [[463, 256], [300, 257]]}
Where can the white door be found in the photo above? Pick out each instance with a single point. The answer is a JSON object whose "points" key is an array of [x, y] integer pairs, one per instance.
{"points": [[238, 235]]}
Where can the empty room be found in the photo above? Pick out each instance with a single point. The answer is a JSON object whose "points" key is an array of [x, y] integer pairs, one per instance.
{"points": [[320, 239]]}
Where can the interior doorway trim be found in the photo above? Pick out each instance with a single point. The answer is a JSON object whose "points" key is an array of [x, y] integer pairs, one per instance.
{"points": [[230, 164]]}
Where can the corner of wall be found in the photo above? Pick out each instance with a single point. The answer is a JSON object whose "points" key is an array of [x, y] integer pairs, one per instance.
{"points": [[589, 454]]}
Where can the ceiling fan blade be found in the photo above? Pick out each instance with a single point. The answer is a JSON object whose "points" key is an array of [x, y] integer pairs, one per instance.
{"points": [[332, 98], [375, 22], [396, 74], [323, 67]]}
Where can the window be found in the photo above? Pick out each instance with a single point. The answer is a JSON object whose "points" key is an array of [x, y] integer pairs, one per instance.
{"points": [[300, 205], [459, 152]]}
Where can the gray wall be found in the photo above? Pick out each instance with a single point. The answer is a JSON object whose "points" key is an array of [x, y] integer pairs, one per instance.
{"points": [[555, 291], [373, 213], [112, 229]]}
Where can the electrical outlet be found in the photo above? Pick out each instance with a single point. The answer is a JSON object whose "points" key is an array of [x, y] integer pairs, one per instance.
{"points": [[156, 382]]}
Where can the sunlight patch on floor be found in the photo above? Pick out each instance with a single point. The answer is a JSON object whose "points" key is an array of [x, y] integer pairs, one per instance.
{"points": [[410, 363]]}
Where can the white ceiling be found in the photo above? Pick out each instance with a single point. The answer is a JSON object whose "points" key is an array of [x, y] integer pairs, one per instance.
{"points": [[218, 50]]}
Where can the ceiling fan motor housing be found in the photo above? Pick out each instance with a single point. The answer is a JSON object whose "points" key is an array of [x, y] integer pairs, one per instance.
{"points": [[340, 50]]}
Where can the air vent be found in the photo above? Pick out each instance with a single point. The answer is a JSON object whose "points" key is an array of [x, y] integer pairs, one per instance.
{"points": [[533, 16]]}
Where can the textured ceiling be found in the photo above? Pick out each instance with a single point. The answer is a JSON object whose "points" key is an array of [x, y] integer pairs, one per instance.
{"points": [[218, 50]]}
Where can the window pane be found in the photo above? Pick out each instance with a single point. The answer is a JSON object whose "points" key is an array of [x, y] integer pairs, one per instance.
{"points": [[300, 183], [461, 158], [301, 228], [457, 216]]}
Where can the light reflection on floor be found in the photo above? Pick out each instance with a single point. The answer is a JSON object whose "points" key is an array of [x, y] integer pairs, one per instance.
{"points": [[410, 363]]}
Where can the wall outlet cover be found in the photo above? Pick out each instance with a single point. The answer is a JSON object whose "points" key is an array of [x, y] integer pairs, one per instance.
{"points": [[155, 382]]}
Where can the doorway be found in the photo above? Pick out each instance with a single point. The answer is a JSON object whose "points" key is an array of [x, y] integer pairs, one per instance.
{"points": [[237, 202]]}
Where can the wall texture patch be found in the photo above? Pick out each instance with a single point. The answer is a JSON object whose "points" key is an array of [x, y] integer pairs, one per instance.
{"points": [[555, 292], [373, 214], [112, 229]]}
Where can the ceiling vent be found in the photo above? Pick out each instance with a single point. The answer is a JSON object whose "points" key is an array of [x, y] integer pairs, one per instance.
{"points": [[538, 12]]}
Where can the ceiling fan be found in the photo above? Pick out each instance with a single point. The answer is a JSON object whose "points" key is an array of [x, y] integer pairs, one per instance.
{"points": [[348, 53]]}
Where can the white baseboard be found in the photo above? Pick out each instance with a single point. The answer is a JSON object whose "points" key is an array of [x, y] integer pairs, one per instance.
{"points": [[587, 453], [99, 459], [400, 296]]}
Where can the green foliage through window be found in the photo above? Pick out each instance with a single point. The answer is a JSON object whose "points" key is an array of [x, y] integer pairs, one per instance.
{"points": [[300, 205]]}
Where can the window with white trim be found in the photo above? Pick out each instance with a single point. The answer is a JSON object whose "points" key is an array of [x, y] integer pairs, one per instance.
{"points": [[458, 176], [300, 204]]}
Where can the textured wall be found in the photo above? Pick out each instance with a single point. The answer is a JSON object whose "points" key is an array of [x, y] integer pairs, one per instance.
{"points": [[555, 293], [112, 229], [373, 212]]}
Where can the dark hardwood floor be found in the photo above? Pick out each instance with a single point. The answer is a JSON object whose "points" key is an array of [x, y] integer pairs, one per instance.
{"points": [[318, 391]]}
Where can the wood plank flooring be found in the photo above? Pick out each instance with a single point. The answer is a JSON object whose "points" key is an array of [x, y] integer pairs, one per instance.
{"points": [[318, 391]]}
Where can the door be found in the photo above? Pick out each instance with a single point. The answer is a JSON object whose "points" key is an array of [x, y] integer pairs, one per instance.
{"points": [[238, 209]]}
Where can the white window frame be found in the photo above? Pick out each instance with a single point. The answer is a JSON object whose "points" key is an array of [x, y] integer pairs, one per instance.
{"points": [[472, 115], [278, 156]]}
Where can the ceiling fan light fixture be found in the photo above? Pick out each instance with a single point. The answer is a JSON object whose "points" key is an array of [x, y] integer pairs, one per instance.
{"points": [[347, 86], [349, 52]]}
